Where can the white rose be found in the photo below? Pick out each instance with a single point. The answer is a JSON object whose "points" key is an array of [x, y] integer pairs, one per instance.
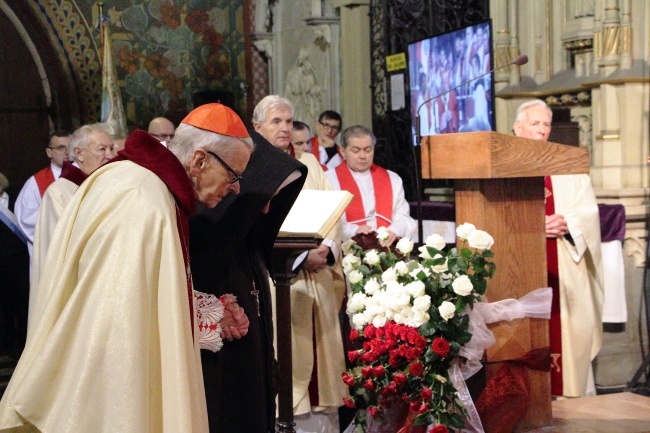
{"points": [[462, 285], [379, 321], [424, 252], [393, 288], [404, 246], [355, 276], [447, 310], [372, 285], [439, 268], [359, 320], [436, 241], [422, 303], [480, 240], [403, 300], [371, 257], [357, 303], [399, 318], [463, 231], [389, 275], [415, 288], [417, 319], [401, 268], [349, 262], [382, 234], [414, 273]]}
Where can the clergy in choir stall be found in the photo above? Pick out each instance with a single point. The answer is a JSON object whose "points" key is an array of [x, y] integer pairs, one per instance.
{"points": [[114, 339], [90, 147], [574, 266], [323, 145], [378, 193], [31, 195], [316, 294], [231, 247]]}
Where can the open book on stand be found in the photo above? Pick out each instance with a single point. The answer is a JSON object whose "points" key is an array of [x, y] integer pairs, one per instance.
{"points": [[314, 213]]}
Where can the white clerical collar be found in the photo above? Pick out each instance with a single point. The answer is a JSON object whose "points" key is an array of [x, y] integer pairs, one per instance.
{"points": [[56, 170]]}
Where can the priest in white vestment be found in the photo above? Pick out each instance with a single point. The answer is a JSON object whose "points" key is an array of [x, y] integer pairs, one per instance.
{"points": [[574, 265], [114, 340], [379, 193], [90, 147], [317, 294]]}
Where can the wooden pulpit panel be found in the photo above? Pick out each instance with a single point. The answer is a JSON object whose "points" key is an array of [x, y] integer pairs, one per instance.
{"points": [[500, 189]]}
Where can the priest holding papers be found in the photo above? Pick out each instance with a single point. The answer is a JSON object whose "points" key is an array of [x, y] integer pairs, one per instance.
{"points": [[378, 193], [316, 294]]}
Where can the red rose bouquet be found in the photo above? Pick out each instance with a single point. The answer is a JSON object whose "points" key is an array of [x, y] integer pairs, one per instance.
{"points": [[409, 326]]}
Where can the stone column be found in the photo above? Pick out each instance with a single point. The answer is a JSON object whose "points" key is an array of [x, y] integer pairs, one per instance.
{"points": [[356, 95]]}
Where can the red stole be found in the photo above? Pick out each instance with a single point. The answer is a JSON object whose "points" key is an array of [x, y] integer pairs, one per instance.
{"points": [[555, 325], [383, 194], [44, 178]]}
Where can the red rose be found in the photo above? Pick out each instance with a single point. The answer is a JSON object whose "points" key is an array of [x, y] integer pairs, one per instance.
{"points": [[379, 371], [414, 406], [423, 408], [412, 335], [348, 379], [353, 355], [399, 378], [426, 394], [439, 428], [370, 385], [416, 369], [373, 411], [369, 331], [380, 332], [366, 372], [440, 346], [349, 402], [354, 334], [420, 342]]}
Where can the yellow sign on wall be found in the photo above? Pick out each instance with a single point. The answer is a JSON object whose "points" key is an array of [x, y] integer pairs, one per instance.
{"points": [[396, 62]]}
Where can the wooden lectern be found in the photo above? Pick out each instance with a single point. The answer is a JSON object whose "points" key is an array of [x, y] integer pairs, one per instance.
{"points": [[499, 187], [285, 250]]}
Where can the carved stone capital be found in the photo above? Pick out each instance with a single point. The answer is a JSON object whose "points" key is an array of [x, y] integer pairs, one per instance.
{"points": [[579, 45], [263, 42]]}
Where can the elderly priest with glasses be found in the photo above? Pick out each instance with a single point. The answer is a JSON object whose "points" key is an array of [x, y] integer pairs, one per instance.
{"points": [[114, 345]]}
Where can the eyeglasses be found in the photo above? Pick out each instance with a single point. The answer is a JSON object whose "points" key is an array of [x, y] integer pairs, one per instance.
{"points": [[330, 126], [59, 148], [162, 136], [235, 177]]}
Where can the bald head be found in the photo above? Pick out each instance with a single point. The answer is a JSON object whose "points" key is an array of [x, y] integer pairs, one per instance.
{"points": [[163, 129]]}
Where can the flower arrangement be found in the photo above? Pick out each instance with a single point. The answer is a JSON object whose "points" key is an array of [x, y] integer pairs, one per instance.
{"points": [[409, 325]]}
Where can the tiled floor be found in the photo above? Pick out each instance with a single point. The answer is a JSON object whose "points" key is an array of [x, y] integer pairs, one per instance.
{"points": [[610, 413]]}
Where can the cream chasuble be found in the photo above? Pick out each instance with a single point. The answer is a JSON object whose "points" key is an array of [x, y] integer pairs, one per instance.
{"points": [[56, 198], [580, 272], [111, 346]]}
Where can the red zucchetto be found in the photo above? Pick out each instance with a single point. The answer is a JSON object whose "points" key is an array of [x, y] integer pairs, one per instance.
{"points": [[216, 117]]}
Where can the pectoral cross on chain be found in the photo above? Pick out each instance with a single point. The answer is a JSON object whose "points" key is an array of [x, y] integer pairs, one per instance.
{"points": [[256, 293]]}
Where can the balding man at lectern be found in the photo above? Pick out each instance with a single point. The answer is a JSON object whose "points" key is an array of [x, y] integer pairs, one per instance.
{"points": [[574, 265]]}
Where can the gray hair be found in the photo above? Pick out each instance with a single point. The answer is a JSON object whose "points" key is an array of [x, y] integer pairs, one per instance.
{"points": [[189, 138], [357, 131], [521, 111], [82, 137], [268, 103]]}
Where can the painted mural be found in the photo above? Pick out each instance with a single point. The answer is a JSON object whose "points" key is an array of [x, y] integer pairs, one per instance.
{"points": [[165, 52]]}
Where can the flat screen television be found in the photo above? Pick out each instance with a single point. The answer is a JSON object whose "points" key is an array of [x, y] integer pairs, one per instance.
{"points": [[443, 62]]}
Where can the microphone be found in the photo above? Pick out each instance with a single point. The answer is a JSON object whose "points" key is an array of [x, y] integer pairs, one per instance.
{"points": [[520, 60]]}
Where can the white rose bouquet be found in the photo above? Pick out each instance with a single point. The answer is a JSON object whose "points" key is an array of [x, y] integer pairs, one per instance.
{"points": [[409, 322]]}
